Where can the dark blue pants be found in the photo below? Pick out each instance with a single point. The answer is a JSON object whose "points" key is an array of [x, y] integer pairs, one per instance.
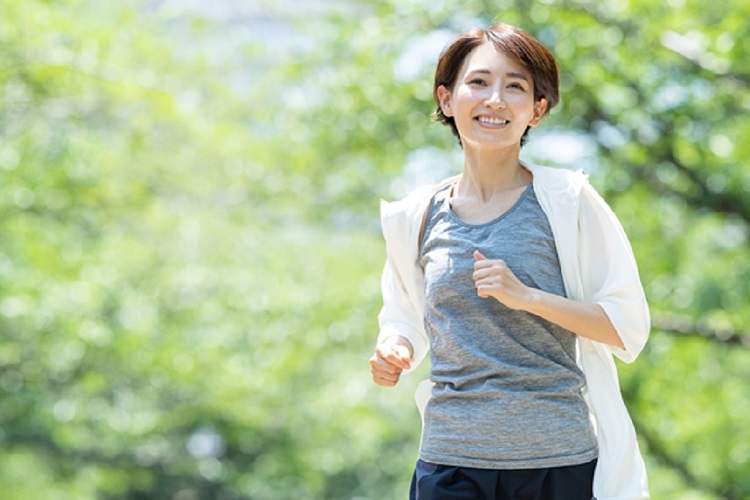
{"points": [[443, 482]]}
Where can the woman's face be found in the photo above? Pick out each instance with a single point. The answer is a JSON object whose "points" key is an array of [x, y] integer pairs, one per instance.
{"points": [[492, 101]]}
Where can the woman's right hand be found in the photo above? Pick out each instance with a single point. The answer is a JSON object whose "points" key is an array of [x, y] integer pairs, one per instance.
{"points": [[392, 356]]}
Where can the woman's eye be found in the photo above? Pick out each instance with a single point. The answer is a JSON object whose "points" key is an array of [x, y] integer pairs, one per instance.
{"points": [[477, 81], [517, 86]]}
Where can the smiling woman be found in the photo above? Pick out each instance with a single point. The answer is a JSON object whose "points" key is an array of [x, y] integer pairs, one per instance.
{"points": [[501, 273], [494, 93], [537, 67]]}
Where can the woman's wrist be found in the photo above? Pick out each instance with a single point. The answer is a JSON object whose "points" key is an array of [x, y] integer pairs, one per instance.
{"points": [[396, 339]]}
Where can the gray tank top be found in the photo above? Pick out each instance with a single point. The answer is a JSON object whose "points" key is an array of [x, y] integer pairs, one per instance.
{"points": [[508, 391]]}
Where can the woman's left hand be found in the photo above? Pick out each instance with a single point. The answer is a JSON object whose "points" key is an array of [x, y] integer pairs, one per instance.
{"points": [[493, 278]]}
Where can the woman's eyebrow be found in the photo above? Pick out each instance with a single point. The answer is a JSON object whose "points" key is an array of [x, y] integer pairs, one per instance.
{"points": [[516, 74], [510, 74]]}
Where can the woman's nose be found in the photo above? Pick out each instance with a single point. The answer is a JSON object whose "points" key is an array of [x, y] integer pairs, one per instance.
{"points": [[495, 100]]}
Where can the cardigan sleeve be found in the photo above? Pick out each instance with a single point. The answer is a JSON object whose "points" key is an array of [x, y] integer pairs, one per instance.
{"points": [[402, 313], [609, 274], [402, 281], [399, 317]]}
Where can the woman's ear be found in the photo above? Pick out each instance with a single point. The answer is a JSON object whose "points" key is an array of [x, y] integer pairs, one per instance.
{"points": [[540, 107], [444, 98]]}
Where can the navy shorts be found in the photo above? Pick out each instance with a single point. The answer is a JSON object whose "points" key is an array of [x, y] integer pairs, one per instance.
{"points": [[444, 482]]}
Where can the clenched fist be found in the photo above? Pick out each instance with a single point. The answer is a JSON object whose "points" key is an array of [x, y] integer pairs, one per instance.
{"points": [[392, 356], [493, 278]]}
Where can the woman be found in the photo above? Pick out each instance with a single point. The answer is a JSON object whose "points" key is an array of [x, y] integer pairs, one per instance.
{"points": [[522, 284]]}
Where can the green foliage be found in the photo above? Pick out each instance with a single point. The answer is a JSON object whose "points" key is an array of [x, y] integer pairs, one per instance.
{"points": [[189, 267]]}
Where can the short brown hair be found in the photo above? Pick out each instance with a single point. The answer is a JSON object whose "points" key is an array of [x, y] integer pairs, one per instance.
{"points": [[511, 41]]}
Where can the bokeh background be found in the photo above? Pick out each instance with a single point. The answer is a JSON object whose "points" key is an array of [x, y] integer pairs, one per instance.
{"points": [[190, 248]]}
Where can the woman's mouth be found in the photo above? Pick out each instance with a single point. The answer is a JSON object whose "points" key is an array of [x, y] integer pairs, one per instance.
{"points": [[489, 120]]}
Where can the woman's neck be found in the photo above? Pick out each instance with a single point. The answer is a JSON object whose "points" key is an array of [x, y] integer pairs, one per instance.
{"points": [[489, 173]]}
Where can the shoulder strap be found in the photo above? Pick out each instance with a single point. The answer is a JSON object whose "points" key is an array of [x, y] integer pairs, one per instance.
{"points": [[450, 181], [422, 228]]}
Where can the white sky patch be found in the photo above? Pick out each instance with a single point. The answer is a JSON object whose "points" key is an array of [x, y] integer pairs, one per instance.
{"points": [[420, 54], [424, 166], [561, 148], [694, 46]]}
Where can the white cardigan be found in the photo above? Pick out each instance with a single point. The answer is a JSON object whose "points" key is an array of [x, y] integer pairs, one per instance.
{"points": [[597, 266]]}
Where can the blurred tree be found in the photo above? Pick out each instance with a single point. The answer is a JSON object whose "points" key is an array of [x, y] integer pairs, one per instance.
{"points": [[190, 255]]}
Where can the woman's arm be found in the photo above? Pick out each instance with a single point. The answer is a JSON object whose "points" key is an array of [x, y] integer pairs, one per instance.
{"points": [[493, 278]]}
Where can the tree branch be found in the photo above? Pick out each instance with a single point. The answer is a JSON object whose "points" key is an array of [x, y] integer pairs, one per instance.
{"points": [[727, 202], [657, 450], [686, 327]]}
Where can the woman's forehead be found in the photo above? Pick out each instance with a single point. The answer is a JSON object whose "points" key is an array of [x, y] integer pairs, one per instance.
{"points": [[487, 58]]}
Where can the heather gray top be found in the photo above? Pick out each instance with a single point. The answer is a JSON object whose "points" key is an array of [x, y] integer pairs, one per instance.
{"points": [[508, 391]]}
